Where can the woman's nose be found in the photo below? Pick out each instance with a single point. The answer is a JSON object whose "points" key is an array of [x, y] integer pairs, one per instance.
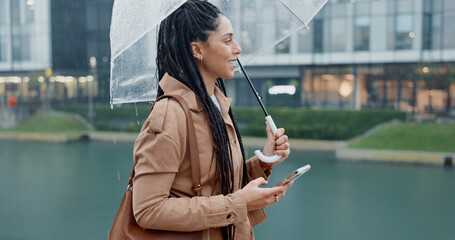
{"points": [[237, 48]]}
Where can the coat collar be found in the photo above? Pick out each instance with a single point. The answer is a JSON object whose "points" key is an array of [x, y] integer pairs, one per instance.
{"points": [[225, 102], [170, 85]]}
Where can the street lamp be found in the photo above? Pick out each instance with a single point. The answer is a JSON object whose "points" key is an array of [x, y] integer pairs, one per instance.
{"points": [[47, 99], [91, 111], [425, 71]]}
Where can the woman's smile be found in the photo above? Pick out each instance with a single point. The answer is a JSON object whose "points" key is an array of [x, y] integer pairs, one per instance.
{"points": [[232, 63]]}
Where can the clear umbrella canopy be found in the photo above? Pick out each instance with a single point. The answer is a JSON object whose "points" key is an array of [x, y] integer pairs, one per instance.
{"points": [[259, 25]]}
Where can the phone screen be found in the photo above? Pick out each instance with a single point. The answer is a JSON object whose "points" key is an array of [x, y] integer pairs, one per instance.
{"points": [[294, 175]]}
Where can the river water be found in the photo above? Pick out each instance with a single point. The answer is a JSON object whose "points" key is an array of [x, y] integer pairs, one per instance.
{"points": [[72, 191]]}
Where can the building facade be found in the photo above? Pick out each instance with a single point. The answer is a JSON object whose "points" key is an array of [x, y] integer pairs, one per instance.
{"points": [[54, 51], [25, 46], [387, 54]]}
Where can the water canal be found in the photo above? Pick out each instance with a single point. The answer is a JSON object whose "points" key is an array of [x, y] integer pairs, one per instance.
{"points": [[72, 191]]}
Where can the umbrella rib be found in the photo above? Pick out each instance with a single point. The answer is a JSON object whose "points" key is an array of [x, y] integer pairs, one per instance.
{"points": [[286, 6]]}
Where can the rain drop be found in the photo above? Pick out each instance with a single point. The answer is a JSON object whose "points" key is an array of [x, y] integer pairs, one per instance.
{"points": [[138, 123], [115, 140], [118, 175], [136, 109]]}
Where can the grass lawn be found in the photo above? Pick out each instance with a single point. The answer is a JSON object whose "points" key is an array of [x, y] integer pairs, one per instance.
{"points": [[50, 123], [430, 137]]}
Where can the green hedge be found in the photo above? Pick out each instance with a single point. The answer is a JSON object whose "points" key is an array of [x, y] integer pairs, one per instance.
{"points": [[50, 123], [299, 123], [314, 124], [123, 118]]}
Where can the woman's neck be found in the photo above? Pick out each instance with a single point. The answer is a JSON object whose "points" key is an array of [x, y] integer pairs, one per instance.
{"points": [[209, 83]]}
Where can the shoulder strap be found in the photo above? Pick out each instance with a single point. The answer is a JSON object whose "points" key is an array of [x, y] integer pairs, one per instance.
{"points": [[192, 145]]}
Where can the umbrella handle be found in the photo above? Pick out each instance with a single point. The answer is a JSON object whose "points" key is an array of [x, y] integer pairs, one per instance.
{"points": [[262, 157]]}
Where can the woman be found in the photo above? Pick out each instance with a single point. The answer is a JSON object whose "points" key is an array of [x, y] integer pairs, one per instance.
{"points": [[196, 50]]}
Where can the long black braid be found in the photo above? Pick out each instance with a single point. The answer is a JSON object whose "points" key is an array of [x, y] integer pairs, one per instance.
{"points": [[191, 22]]}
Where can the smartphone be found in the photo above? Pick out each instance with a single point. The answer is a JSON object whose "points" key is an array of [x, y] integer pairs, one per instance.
{"points": [[294, 175]]}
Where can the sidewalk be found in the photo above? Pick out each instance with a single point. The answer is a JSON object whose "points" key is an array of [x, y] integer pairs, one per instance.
{"points": [[415, 157], [298, 144], [43, 137]]}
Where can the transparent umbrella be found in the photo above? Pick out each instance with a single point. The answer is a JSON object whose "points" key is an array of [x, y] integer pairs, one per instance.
{"points": [[259, 25]]}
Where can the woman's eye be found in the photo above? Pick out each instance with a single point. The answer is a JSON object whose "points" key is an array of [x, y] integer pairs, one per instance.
{"points": [[228, 41]]}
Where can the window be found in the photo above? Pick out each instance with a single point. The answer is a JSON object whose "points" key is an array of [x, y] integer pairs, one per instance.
{"points": [[449, 30], [436, 30], [2, 49], [250, 30], [92, 19], [21, 48], [403, 31], [15, 12], [362, 33], [449, 4], [29, 11], [285, 21], [317, 36], [2, 12], [304, 38], [427, 22], [283, 46], [338, 32]]}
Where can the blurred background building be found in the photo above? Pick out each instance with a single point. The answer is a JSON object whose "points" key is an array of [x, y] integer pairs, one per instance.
{"points": [[387, 54], [54, 51]]}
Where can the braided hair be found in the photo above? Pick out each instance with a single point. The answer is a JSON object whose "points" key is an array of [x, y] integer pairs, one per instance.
{"points": [[192, 22]]}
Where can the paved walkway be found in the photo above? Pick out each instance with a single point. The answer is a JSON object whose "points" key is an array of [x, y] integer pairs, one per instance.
{"points": [[416, 157], [339, 147]]}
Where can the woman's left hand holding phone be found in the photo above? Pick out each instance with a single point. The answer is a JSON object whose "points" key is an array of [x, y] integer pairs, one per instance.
{"points": [[257, 197]]}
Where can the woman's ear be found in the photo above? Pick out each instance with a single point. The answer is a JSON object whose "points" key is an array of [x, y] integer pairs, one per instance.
{"points": [[196, 48]]}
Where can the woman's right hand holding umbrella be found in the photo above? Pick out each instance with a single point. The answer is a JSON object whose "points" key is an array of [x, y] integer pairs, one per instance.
{"points": [[257, 197]]}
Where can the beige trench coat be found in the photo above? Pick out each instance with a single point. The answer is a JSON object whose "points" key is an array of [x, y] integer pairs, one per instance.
{"points": [[163, 196]]}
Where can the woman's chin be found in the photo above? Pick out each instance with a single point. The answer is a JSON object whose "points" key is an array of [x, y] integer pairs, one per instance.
{"points": [[229, 75]]}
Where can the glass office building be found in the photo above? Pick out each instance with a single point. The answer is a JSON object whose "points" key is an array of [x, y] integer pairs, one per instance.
{"points": [[387, 54], [25, 42], [54, 50]]}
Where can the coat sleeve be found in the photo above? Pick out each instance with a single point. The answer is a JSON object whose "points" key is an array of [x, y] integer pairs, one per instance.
{"points": [[255, 170], [158, 156]]}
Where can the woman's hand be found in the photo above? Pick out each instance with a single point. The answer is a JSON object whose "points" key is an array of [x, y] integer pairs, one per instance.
{"points": [[276, 144], [257, 197]]}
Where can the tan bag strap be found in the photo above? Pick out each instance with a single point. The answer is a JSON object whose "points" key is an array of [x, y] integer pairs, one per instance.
{"points": [[192, 145]]}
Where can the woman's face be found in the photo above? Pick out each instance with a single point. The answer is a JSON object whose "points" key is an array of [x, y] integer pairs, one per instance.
{"points": [[219, 53]]}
